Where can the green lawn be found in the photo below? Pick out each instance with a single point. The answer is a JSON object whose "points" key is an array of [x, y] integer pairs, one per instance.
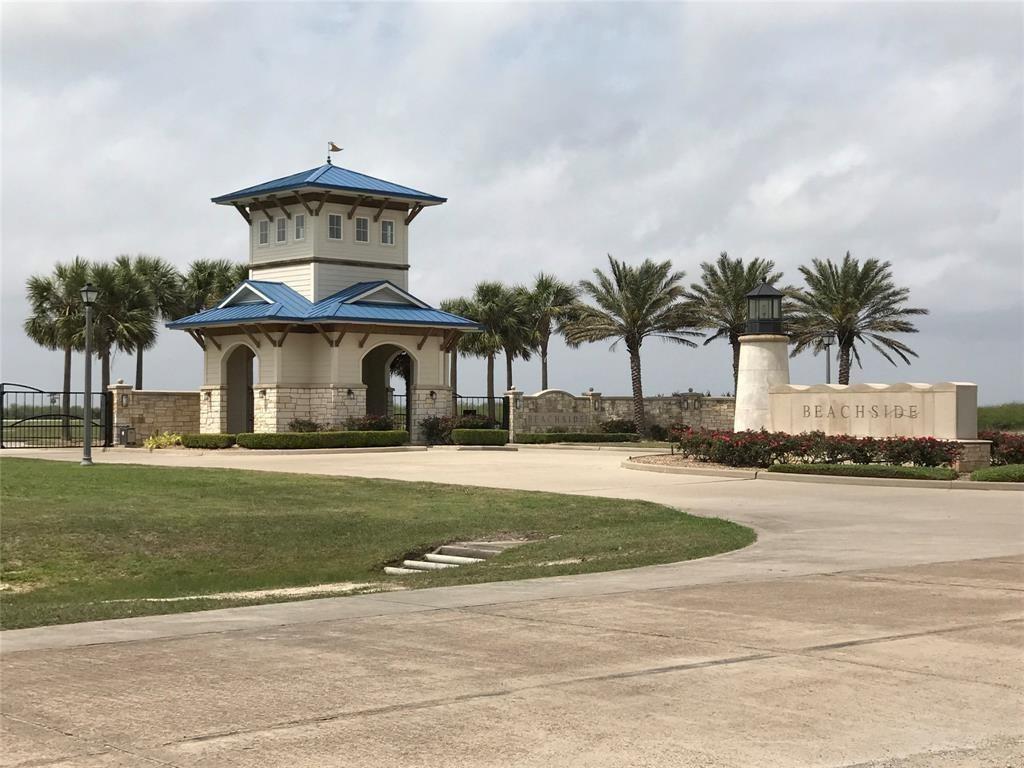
{"points": [[1008, 473], [867, 470], [74, 538], [1008, 416]]}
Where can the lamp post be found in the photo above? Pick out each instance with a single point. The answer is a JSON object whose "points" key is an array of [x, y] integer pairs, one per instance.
{"points": [[828, 338], [89, 295]]}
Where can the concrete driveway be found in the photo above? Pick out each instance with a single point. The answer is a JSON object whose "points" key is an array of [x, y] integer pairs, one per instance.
{"points": [[868, 626]]}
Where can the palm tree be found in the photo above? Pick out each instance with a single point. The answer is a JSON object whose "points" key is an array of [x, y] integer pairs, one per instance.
{"points": [[633, 304], [858, 303], [549, 305], [162, 284], [460, 307], [209, 281], [58, 318], [485, 306], [122, 318], [718, 302]]}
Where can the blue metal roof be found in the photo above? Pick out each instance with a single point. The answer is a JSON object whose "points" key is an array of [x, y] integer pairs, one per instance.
{"points": [[286, 305], [329, 176]]}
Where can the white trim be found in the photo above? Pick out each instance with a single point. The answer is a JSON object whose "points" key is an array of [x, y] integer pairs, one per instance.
{"points": [[295, 226], [394, 233], [388, 285], [355, 230], [341, 219], [243, 287], [277, 230], [259, 226]]}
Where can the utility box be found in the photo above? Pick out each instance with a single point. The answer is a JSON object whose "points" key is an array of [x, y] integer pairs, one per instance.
{"points": [[126, 436]]}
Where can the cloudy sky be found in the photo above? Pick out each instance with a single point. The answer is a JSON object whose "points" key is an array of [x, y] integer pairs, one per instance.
{"points": [[559, 133]]}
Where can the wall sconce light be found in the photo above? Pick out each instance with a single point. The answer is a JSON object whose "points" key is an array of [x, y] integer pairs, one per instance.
{"points": [[208, 395], [350, 394], [263, 393], [433, 395], [124, 399]]}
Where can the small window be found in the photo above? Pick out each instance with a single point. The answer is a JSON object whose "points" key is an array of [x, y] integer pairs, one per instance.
{"points": [[264, 231], [362, 230], [282, 229], [300, 226], [334, 226], [387, 232]]}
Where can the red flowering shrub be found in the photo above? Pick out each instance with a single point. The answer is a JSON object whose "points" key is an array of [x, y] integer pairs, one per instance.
{"points": [[762, 449], [1007, 447]]}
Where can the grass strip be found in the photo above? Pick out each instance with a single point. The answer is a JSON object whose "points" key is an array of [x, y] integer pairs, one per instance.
{"points": [[867, 470], [1009, 473]]}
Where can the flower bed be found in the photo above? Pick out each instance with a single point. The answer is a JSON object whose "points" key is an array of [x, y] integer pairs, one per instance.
{"points": [[763, 449]]}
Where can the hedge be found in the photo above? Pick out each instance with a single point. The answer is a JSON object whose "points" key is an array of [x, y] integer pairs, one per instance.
{"points": [[1008, 473], [867, 470], [1007, 447], [297, 440], [208, 441], [577, 437], [763, 449], [479, 436]]}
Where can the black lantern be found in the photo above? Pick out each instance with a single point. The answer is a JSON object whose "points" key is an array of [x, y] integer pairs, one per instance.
{"points": [[764, 310]]}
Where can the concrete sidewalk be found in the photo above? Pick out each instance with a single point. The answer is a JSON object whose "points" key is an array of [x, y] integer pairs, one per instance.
{"points": [[868, 626]]}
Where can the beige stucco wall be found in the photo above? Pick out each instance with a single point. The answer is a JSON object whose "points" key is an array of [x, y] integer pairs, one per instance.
{"points": [[947, 410], [764, 363]]}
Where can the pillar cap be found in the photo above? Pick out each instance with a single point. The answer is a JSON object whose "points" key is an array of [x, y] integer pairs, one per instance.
{"points": [[764, 337]]}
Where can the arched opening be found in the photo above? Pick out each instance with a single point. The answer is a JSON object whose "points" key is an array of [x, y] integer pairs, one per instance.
{"points": [[389, 373], [239, 375]]}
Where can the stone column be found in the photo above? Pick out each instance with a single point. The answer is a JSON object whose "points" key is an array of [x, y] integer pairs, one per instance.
{"points": [[348, 401], [213, 410], [424, 405], [515, 406], [122, 413], [764, 363]]}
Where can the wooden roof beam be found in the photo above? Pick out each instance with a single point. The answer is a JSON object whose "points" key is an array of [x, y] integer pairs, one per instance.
{"points": [[423, 340], [362, 341], [252, 338], [262, 207], [359, 201], [304, 203], [322, 332], [284, 335], [323, 202], [414, 213], [196, 337], [339, 337], [285, 211], [243, 213], [267, 336], [383, 204]]}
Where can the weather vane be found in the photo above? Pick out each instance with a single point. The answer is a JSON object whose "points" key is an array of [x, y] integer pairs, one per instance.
{"points": [[332, 147]]}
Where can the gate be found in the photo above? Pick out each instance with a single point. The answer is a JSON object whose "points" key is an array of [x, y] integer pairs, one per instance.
{"points": [[479, 406], [34, 418]]}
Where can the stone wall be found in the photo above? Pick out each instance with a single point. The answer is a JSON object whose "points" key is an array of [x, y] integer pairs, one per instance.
{"points": [[213, 411], [555, 408], [424, 405], [153, 411]]}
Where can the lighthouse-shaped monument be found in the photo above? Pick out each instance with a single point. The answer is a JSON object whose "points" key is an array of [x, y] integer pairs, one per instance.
{"points": [[764, 359], [326, 311]]}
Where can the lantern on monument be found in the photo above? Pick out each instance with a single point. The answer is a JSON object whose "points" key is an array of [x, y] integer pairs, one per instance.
{"points": [[764, 310]]}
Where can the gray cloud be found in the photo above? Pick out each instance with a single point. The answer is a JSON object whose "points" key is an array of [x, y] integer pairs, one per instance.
{"points": [[559, 133]]}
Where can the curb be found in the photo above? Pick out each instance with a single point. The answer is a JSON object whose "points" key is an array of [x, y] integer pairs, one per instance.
{"points": [[316, 451], [878, 482], [586, 447]]}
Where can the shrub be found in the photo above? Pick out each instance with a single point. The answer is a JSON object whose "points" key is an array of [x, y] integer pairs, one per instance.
{"points": [[618, 426], [208, 441], [1008, 473], [480, 436], [437, 429], [657, 432], [475, 421], [763, 449], [556, 430], [369, 424], [1007, 447], [299, 440], [166, 440], [534, 438], [305, 425], [868, 470], [1001, 417]]}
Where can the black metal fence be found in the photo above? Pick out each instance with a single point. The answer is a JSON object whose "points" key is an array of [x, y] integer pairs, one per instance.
{"points": [[480, 406], [398, 412], [35, 418]]}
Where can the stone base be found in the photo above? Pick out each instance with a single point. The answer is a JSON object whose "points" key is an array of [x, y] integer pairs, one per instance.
{"points": [[977, 455], [213, 410], [424, 406]]}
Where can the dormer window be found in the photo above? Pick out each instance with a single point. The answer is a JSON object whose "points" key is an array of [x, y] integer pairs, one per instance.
{"points": [[387, 232], [264, 231], [282, 229], [362, 230], [300, 226], [334, 225]]}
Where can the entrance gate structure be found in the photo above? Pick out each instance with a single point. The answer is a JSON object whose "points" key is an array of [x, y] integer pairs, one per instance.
{"points": [[37, 418], [326, 313]]}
